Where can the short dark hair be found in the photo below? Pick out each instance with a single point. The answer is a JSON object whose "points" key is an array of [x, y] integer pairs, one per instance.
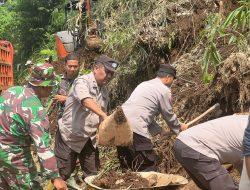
{"points": [[71, 56], [163, 74], [166, 70]]}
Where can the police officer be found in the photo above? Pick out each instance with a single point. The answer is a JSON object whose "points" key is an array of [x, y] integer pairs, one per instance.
{"points": [[148, 100], [203, 148], [85, 107]]}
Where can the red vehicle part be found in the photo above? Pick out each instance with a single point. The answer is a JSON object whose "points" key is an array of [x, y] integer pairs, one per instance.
{"points": [[6, 65], [64, 44], [61, 51]]}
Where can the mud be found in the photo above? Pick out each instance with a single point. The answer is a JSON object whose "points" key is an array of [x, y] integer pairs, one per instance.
{"points": [[114, 180]]}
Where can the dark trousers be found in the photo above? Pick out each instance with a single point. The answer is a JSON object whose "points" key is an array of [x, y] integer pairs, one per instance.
{"points": [[140, 156], [66, 158], [207, 173]]}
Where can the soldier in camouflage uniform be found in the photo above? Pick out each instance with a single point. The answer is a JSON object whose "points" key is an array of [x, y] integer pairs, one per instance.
{"points": [[23, 121], [71, 72]]}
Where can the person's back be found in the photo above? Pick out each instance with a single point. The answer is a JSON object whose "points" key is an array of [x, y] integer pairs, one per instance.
{"points": [[220, 138], [11, 101], [17, 105], [22, 117], [142, 105], [203, 148], [148, 100]]}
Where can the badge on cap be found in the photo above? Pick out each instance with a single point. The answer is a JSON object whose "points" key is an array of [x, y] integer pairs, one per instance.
{"points": [[114, 65]]}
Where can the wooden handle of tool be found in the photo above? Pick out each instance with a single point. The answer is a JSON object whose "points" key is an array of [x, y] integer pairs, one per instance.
{"points": [[214, 107]]}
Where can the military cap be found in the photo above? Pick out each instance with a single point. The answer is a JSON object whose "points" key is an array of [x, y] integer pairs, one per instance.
{"points": [[43, 75]]}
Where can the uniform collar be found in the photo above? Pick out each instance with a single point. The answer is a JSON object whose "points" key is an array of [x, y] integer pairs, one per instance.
{"points": [[95, 85], [159, 81], [102, 89], [64, 76], [29, 87]]}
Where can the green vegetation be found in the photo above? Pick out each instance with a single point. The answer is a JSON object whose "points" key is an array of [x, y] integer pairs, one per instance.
{"points": [[130, 31], [29, 26], [234, 30], [135, 30], [139, 33]]}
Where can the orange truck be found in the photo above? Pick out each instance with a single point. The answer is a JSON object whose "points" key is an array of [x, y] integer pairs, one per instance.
{"points": [[6, 65]]}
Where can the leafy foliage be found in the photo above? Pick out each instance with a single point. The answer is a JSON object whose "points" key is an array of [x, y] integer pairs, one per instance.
{"points": [[239, 18], [8, 22], [132, 31], [35, 19], [123, 27], [234, 29], [29, 26], [211, 54]]}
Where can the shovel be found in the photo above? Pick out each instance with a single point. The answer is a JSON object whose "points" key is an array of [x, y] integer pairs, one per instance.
{"points": [[213, 108]]}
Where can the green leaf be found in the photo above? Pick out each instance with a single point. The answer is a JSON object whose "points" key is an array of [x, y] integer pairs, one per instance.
{"points": [[42, 9], [229, 19], [232, 40], [207, 78]]}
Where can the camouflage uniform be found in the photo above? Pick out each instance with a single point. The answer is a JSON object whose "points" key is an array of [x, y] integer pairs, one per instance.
{"points": [[23, 121]]}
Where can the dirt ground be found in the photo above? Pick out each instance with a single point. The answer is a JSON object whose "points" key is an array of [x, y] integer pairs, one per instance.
{"points": [[114, 180], [230, 87], [132, 180]]}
